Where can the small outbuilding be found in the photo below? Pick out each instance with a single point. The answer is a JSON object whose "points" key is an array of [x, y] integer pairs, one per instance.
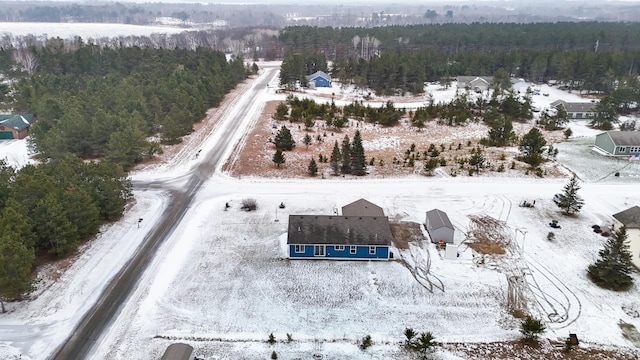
{"points": [[15, 126], [319, 79], [619, 143], [179, 351], [439, 226]]}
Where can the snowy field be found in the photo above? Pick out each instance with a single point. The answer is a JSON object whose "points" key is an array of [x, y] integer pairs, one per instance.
{"points": [[222, 284], [86, 30]]}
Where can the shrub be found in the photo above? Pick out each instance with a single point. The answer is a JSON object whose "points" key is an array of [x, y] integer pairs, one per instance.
{"points": [[289, 337], [531, 328], [274, 356], [551, 236], [249, 204], [365, 343], [272, 339]]}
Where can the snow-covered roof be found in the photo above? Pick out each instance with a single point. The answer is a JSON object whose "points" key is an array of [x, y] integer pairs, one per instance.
{"points": [[341, 230], [630, 218], [178, 351], [318, 74]]}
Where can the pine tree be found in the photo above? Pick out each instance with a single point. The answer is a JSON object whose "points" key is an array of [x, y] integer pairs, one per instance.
{"points": [[16, 262], [531, 147], [312, 169], [282, 110], [346, 156], [358, 161], [612, 270], [477, 159], [531, 328], [306, 140], [570, 202], [501, 132], [284, 141], [336, 156], [278, 158]]}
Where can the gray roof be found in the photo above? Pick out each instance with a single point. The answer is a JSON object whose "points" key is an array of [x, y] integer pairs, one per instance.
{"points": [[317, 74], [178, 351], [574, 107], [625, 138], [630, 218], [468, 79], [438, 218], [362, 207], [340, 230]]}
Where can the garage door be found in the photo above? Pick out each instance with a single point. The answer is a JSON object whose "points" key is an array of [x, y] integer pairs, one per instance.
{"points": [[6, 135]]}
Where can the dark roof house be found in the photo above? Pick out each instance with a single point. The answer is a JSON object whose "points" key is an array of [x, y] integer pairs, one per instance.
{"points": [[630, 218], [361, 233], [619, 143], [576, 110]]}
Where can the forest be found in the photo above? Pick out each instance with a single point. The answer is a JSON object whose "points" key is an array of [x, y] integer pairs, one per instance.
{"points": [[99, 112], [394, 60]]}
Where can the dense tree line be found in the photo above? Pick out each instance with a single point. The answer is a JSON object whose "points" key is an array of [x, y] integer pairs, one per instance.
{"points": [[100, 102], [590, 56], [51, 208]]}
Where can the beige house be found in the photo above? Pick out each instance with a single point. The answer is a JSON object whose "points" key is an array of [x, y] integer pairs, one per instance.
{"points": [[630, 218]]}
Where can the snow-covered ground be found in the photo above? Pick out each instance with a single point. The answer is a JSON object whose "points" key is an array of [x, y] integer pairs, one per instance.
{"points": [[221, 282], [86, 30]]}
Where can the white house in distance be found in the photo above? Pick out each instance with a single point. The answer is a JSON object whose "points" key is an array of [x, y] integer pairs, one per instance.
{"points": [[439, 226], [630, 218], [475, 83], [576, 110]]}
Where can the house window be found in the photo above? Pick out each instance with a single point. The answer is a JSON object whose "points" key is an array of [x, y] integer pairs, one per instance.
{"points": [[352, 249], [622, 149], [372, 250], [299, 248], [634, 149], [339, 247], [318, 250]]}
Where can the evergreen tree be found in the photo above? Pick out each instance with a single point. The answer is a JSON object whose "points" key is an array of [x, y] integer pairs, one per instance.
{"points": [[282, 110], [531, 328], [358, 161], [604, 115], [501, 132], [16, 262], [346, 156], [612, 270], [55, 232], [336, 157], [570, 202], [477, 159], [278, 158], [306, 140], [424, 345], [312, 169], [284, 141], [532, 146]]}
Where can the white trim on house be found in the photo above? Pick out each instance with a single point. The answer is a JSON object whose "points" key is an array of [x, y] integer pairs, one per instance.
{"points": [[372, 250], [338, 247], [319, 250], [353, 249], [299, 249]]}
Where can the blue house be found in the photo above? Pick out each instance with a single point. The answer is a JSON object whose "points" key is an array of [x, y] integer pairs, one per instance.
{"points": [[339, 237], [319, 79]]}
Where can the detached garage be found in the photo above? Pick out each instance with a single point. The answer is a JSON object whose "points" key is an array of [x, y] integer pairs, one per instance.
{"points": [[439, 226], [15, 126]]}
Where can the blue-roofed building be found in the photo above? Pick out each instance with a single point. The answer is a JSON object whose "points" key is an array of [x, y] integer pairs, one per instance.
{"points": [[319, 79]]}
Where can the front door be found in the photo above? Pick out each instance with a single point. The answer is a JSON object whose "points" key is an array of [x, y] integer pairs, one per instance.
{"points": [[318, 250]]}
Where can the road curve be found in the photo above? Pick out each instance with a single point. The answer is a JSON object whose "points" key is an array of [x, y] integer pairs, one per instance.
{"points": [[84, 336]]}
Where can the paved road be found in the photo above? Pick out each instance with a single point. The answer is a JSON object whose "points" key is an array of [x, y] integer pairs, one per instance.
{"points": [[108, 306]]}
